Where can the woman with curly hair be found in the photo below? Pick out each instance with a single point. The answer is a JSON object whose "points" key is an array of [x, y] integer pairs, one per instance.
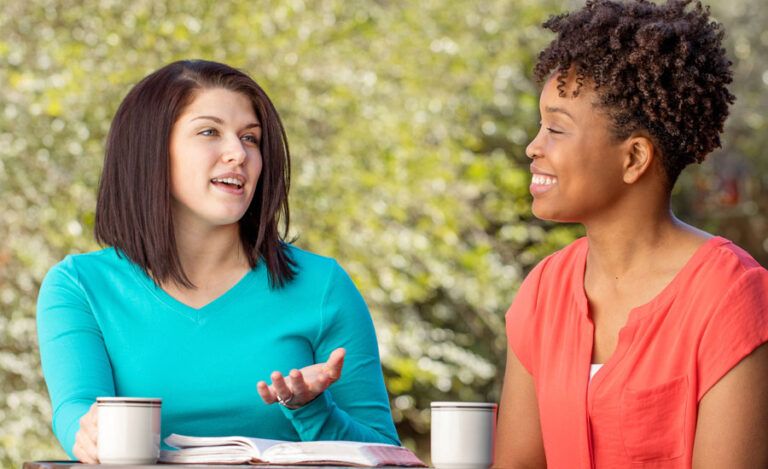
{"points": [[640, 344]]}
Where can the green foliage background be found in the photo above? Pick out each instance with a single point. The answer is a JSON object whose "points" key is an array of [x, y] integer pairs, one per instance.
{"points": [[407, 123]]}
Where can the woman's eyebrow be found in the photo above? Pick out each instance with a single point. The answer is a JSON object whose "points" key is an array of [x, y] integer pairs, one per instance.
{"points": [[560, 110], [211, 118], [221, 121]]}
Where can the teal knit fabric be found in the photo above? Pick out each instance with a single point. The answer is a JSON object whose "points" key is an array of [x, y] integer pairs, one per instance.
{"points": [[106, 329]]}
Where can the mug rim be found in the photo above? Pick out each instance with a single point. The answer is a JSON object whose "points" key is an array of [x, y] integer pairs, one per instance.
{"points": [[129, 400], [465, 405]]}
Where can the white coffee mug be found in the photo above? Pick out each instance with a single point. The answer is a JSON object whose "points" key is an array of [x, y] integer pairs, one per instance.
{"points": [[129, 430], [462, 434]]}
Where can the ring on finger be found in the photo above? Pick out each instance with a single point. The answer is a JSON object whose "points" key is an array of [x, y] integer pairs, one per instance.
{"points": [[287, 402]]}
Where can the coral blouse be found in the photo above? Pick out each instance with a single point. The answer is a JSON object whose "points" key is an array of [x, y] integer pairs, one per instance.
{"points": [[640, 409]]}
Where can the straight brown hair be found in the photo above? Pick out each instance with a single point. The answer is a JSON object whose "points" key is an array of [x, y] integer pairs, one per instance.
{"points": [[133, 209]]}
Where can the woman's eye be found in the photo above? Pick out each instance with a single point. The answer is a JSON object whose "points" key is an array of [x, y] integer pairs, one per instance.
{"points": [[550, 129], [250, 138], [208, 132]]}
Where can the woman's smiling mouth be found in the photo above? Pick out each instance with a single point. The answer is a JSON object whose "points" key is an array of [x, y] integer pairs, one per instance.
{"points": [[232, 184], [541, 183]]}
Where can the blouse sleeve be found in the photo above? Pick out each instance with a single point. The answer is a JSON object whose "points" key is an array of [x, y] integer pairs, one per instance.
{"points": [[72, 352], [520, 317], [356, 407], [738, 326]]}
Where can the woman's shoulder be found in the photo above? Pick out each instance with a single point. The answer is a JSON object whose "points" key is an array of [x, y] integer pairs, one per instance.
{"points": [[89, 268], [318, 275], [83, 271], [721, 263], [312, 267], [106, 258], [719, 276], [307, 260], [726, 253]]}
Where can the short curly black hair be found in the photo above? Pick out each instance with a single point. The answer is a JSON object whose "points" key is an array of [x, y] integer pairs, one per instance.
{"points": [[656, 68]]}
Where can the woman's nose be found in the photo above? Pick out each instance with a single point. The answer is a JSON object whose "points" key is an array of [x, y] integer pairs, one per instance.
{"points": [[533, 150], [234, 151]]}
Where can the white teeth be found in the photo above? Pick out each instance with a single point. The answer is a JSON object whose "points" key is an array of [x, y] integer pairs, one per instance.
{"points": [[232, 181], [543, 180]]}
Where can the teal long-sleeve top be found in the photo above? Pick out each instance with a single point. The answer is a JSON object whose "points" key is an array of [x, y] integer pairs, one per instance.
{"points": [[106, 329]]}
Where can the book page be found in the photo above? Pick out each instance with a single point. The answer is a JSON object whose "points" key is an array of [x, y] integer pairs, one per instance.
{"points": [[317, 451], [223, 444], [239, 449], [209, 455], [365, 454], [392, 455]]}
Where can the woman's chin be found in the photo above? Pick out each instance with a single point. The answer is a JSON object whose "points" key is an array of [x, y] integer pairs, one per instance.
{"points": [[225, 220], [548, 214], [543, 213]]}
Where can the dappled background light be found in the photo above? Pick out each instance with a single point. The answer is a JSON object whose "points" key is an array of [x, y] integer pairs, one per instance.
{"points": [[407, 123]]}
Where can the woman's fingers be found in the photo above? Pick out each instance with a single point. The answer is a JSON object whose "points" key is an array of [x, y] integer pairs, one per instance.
{"points": [[334, 364], [299, 386], [321, 383], [266, 393], [86, 446], [85, 449], [90, 422], [280, 386]]}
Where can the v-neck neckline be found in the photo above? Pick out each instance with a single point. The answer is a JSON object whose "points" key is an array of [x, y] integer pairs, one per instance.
{"points": [[640, 311], [636, 314], [246, 282]]}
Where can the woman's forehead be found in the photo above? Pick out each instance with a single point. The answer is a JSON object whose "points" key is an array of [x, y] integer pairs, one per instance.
{"points": [[569, 91], [221, 102]]}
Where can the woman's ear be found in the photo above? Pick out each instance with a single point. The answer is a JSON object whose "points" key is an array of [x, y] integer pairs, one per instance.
{"points": [[639, 156]]}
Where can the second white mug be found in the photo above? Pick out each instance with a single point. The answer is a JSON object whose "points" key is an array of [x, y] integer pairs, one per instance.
{"points": [[129, 430], [462, 434]]}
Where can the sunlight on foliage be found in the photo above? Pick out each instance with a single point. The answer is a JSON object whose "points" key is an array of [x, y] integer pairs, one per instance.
{"points": [[407, 123]]}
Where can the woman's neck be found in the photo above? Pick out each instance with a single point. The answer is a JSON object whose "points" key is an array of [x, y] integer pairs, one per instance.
{"points": [[637, 243], [210, 253]]}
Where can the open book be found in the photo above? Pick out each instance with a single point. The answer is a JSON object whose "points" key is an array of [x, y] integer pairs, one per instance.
{"points": [[240, 450]]}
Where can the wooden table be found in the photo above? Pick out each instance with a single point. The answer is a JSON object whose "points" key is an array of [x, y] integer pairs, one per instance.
{"points": [[77, 465]]}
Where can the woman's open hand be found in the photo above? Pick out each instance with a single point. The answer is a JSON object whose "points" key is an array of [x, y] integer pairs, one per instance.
{"points": [[301, 386], [86, 449]]}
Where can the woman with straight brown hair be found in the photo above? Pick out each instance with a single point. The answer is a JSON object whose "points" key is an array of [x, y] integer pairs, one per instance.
{"points": [[197, 295]]}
